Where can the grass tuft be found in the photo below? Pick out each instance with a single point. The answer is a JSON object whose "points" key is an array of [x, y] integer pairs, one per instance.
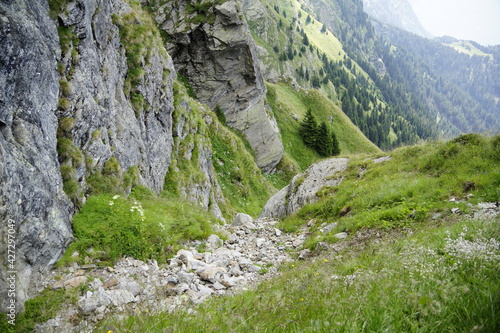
{"points": [[142, 226]]}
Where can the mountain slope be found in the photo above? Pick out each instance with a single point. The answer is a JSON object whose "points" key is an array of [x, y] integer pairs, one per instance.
{"points": [[398, 13]]}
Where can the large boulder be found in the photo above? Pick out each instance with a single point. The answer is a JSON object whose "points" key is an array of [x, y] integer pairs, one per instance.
{"points": [[304, 187]]}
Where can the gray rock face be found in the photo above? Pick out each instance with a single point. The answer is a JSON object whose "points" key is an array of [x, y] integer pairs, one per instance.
{"points": [[105, 122], [304, 187], [190, 140], [218, 57], [31, 195]]}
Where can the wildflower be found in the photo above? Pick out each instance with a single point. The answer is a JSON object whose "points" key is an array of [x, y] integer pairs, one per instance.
{"points": [[317, 273], [116, 197], [111, 203], [301, 299], [292, 266], [325, 260]]}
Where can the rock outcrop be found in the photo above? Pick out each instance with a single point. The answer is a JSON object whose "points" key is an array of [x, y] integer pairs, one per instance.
{"points": [[32, 200], [304, 187], [212, 47], [110, 114]]}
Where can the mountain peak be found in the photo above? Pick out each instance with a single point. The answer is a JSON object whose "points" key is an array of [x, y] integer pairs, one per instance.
{"points": [[398, 13]]}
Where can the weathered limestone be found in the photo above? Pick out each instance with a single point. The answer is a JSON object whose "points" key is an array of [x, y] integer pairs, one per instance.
{"points": [[217, 56], [304, 187], [31, 195]]}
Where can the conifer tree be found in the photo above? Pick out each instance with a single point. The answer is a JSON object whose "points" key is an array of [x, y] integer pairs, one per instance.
{"points": [[324, 140], [335, 145], [309, 129]]}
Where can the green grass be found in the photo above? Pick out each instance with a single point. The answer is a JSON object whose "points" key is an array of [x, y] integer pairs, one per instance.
{"points": [[56, 7], [142, 226], [467, 48], [37, 310], [440, 280], [241, 181], [408, 190], [286, 102], [204, 135], [416, 275]]}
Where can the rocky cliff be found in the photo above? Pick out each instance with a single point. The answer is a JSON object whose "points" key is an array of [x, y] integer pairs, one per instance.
{"points": [[212, 47], [88, 104], [31, 188]]}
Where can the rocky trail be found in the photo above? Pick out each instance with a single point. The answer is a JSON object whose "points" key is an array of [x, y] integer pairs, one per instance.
{"points": [[252, 251]]}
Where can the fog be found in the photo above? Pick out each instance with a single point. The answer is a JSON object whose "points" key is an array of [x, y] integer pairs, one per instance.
{"points": [[477, 20]]}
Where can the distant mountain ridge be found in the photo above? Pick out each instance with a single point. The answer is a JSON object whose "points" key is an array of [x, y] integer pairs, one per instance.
{"points": [[398, 13]]}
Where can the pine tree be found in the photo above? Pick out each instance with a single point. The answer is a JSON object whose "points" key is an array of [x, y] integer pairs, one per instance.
{"points": [[309, 129], [335, 145], [305, 40], [324, 143]]}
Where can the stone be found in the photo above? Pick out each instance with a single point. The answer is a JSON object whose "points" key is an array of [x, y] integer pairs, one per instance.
{"points": [[120, 297], [218, 286], [111, 282], [253, 269], [134, 288], [185, 255], [214, 242], [260, 241], [241, 219], [90, 303], [341, 235], [75, 282], [232, 239], [328, 228], [304, 254], [382, 159], [209, 273], [204, 291], [303, 188]]}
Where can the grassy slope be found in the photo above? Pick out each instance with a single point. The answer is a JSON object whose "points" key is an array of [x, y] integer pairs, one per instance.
{"points": [[416, 184], [286, 102], [467, 48], [414, 272]]}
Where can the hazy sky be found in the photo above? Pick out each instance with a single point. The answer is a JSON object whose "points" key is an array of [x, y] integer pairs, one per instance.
{"points": [[478, 20]]}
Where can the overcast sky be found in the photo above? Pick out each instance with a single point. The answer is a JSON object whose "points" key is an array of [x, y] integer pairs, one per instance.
{"points": [[478, 20]]}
